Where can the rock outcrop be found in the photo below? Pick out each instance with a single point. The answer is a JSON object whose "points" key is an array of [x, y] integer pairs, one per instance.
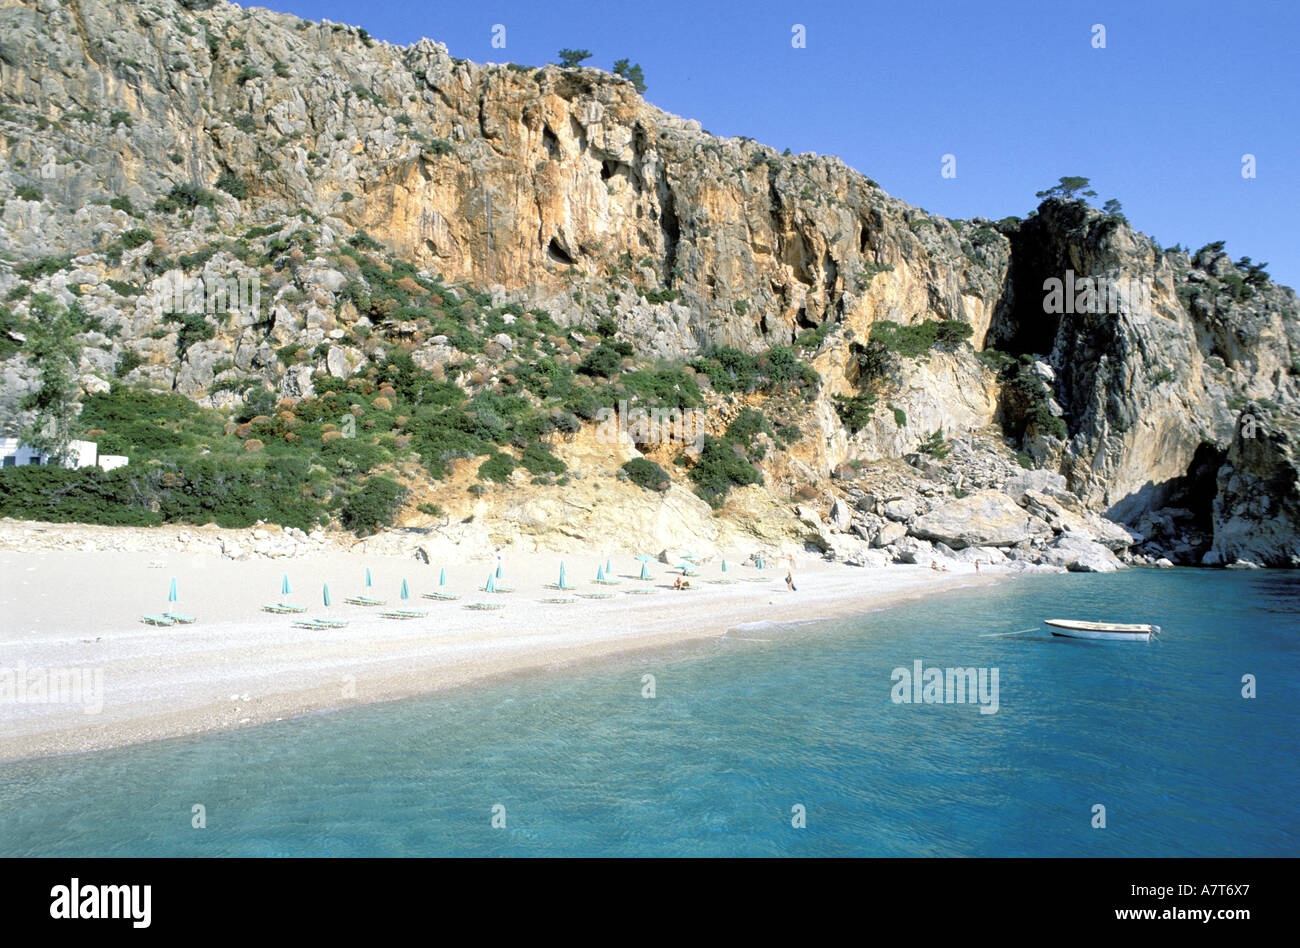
{"points": [[143, 143]]}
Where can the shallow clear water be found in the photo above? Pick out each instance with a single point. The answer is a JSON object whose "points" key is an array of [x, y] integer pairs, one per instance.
{"points": [[745, 728]]}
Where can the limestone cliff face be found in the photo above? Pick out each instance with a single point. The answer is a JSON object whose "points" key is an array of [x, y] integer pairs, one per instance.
{"points": [[564, 189]]}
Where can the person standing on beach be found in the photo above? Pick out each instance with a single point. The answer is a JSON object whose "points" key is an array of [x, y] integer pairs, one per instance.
{"points": [[789, 580]]}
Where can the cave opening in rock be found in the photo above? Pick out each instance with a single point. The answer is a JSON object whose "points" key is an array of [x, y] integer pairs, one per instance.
{"points": [[557, 253]]}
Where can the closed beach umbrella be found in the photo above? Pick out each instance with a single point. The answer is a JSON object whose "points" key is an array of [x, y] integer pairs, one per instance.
{"points": [[367, 575], [645, 573], [499, 576], [609, 567], [491, 584], [171, 593], [600, 574], [760, 562], [442, 577], [325, 593], [284, 585], [561, 572], [724, 566], [406, 590]]}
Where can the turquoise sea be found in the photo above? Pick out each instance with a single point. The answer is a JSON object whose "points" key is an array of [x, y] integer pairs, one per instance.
{"points": [[743, 730]]}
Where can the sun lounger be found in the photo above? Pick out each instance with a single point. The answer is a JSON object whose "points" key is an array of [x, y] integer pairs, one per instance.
{"points": [[596, 595], [640, 592], [498, 589], [444, 597], [607, 582], [320, 623], [180, 617], [157, 620], [552, 586], [560, 599], [405, 614], [365, 601], [484, 606], [283, 608]]}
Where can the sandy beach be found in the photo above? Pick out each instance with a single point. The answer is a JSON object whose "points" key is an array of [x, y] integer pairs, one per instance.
{"points": [[76, 614]]}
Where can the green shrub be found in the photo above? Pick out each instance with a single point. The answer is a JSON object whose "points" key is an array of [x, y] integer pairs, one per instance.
{"points": [[185, 197], [233, 185], [855, 410], [373, 506], [194, 328], [915, 342], [497, 467], [647, 474], [126, 362], [720, 467], [936, 445], [27, 193], [136, 237], [605, 359], [45, 266], [537, 460]]}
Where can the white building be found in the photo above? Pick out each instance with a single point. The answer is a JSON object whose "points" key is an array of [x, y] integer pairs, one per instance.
{"points": [[80, 454]]}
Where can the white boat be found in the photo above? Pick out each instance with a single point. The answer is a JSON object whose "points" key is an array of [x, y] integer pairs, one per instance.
{"points": [[1103, 631]]}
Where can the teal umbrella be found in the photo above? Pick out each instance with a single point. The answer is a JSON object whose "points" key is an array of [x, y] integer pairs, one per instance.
{"points": [[760, 563], [171, 594], [284, 585], [442, 577], [367, 575], [325, 593], [562, 583], [600, 574], [724, 566], [406, 590], [645, 573], [609, 567], [499, 575], [491, 584]]}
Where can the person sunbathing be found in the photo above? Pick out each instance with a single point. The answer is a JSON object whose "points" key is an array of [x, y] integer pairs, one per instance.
{"points": [[677, 584]]}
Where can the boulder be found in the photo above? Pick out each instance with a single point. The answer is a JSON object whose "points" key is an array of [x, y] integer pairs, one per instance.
{"points": [[841, 515], [889, 534], [900, 510], [1080, 555], [912, 550], [985, 518]]}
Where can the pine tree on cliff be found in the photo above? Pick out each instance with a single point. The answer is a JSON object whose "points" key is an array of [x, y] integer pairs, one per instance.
{"points": [[1069, 188]]}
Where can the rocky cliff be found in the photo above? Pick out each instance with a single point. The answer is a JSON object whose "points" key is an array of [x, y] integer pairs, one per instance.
{"points": [[142, 142]]}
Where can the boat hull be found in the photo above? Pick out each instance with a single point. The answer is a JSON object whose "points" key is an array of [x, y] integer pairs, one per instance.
{"points": [[1102, 631]]}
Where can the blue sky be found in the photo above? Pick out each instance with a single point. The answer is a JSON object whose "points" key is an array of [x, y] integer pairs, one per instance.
{"points": [[1015, 90]]}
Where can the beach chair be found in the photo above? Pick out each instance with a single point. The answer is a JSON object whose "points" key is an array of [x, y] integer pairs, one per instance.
{"points": [[283, 608], [180, 617], [596, 595], [441, 596], [641, 592], [365, 601], [484, 606], [559, 599], [157, 620], [405, 613], [319, 624]]}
